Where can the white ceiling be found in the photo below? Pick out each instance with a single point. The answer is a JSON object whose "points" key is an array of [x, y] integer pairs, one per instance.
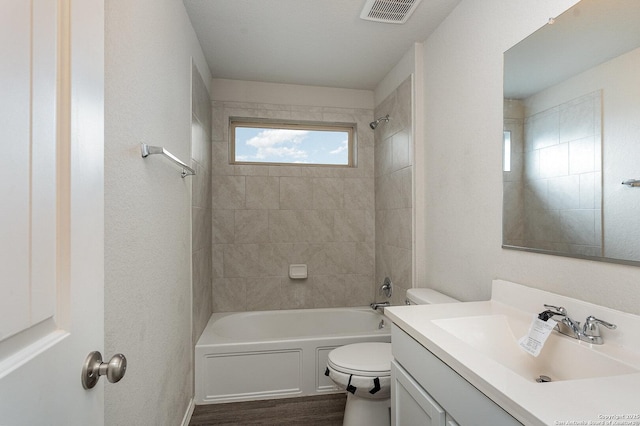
{"points": [[309, 42]]}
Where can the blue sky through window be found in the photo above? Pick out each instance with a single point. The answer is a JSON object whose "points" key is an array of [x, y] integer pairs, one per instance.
{"points": [[282, 145]]}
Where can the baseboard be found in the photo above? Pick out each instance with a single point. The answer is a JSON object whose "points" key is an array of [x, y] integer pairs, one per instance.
{"points": [[187, 416]]}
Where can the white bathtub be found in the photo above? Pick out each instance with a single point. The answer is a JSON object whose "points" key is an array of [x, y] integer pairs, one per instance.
{"points": [[245, 356]]}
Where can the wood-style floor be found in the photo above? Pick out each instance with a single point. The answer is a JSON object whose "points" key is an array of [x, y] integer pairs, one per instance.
{"points": [[323, 410]]}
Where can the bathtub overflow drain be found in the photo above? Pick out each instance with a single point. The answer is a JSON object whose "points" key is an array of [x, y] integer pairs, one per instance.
{"points": [[543, 379]]}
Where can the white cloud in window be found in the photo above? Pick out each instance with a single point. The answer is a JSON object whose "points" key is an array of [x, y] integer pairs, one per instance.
{"points": [[342, 148], [278, 143]]}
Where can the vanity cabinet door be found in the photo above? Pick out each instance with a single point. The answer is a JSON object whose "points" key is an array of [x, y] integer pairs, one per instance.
{"points": [[450, 421], [410, 404]]}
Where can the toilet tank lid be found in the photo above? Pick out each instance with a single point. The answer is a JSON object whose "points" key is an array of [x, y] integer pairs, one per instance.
{"points": [[424, 296]]}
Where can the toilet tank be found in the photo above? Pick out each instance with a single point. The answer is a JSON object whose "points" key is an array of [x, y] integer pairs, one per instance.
{"points": [[427, 296]]}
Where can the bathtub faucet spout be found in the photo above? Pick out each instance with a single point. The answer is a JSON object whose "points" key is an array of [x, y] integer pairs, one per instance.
{"points": [[376, 305]]}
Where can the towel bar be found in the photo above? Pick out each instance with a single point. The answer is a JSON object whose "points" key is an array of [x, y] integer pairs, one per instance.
{"points": [[150, 150]]}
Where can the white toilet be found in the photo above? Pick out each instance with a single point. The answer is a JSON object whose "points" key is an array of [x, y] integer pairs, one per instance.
{"points": [[364, 371]]}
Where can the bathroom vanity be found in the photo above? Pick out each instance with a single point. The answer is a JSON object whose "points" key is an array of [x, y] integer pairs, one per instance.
{"points": [[461, 364], [422, 385]]}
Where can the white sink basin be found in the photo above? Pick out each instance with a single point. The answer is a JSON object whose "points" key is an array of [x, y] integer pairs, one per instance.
{"points": [[562, 358]]}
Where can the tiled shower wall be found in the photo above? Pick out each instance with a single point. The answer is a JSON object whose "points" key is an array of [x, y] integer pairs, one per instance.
{"points": [[200, 203], [563, 175], [513, 179], [393, 192], [553, 194], [267, 217]]}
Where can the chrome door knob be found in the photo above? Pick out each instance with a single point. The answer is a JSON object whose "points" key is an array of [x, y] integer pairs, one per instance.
{"points": [[93, 368]]}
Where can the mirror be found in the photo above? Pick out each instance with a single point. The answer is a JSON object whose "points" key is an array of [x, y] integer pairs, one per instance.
{"points": [[572, 135]]}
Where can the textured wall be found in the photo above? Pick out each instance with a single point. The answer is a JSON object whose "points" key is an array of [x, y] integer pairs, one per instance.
{"points": [[463, 125], [393, 192], [148, 50], [201, 255], [267, 217]]}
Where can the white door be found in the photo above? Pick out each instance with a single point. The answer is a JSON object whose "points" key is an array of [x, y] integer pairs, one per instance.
{"points": [[51, 209]]}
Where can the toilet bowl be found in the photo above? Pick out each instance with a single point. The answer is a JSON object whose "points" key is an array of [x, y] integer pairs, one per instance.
{"points": [[364, 371]]}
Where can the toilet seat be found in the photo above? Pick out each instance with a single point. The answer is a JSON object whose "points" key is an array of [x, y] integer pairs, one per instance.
{"points": [[369, 359], [363, 369]]}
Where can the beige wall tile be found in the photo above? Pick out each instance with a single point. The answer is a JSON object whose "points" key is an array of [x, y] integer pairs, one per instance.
{"points": [[401, 150], [228, 192], [296, 193], [359, 194], [263, 293], [311, 254], [365, 258], [200, 228], [365, 164], [383, 264], [217, 261], [328, 193], [285, 171], [244, 260], [401, 267], [296, 294], [202, 290], [220, 162], [251, 226], [262, 192], [340, 258], [350, 225], [223, 226], [398, 228], [229, 295], [383, 157], [358, 290], [201, 188], [290, 226], [328, 291]]}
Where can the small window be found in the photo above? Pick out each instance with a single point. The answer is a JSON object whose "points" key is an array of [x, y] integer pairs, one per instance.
{"points": [[266, 142]]}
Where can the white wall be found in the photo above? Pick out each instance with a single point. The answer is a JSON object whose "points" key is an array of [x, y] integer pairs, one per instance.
{"points": [[463, 182], [398, 74], [289, 94], [148, 49]]}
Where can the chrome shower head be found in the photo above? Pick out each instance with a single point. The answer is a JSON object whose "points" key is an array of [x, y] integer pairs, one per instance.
{"points": [[374, 124]]}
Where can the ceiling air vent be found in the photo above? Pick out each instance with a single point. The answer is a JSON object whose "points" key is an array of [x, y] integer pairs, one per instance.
{"points": [[389, 11]]}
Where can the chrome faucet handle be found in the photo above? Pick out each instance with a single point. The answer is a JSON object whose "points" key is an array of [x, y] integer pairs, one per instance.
{"points": [[386, 288], [560, 310], [591, 326]]}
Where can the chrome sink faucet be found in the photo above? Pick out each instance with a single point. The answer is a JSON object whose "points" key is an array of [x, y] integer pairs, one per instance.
{"points": [[589, 332]]}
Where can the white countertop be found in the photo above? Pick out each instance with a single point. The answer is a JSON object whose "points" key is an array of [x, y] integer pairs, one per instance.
{"points": [[582, 401]]}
